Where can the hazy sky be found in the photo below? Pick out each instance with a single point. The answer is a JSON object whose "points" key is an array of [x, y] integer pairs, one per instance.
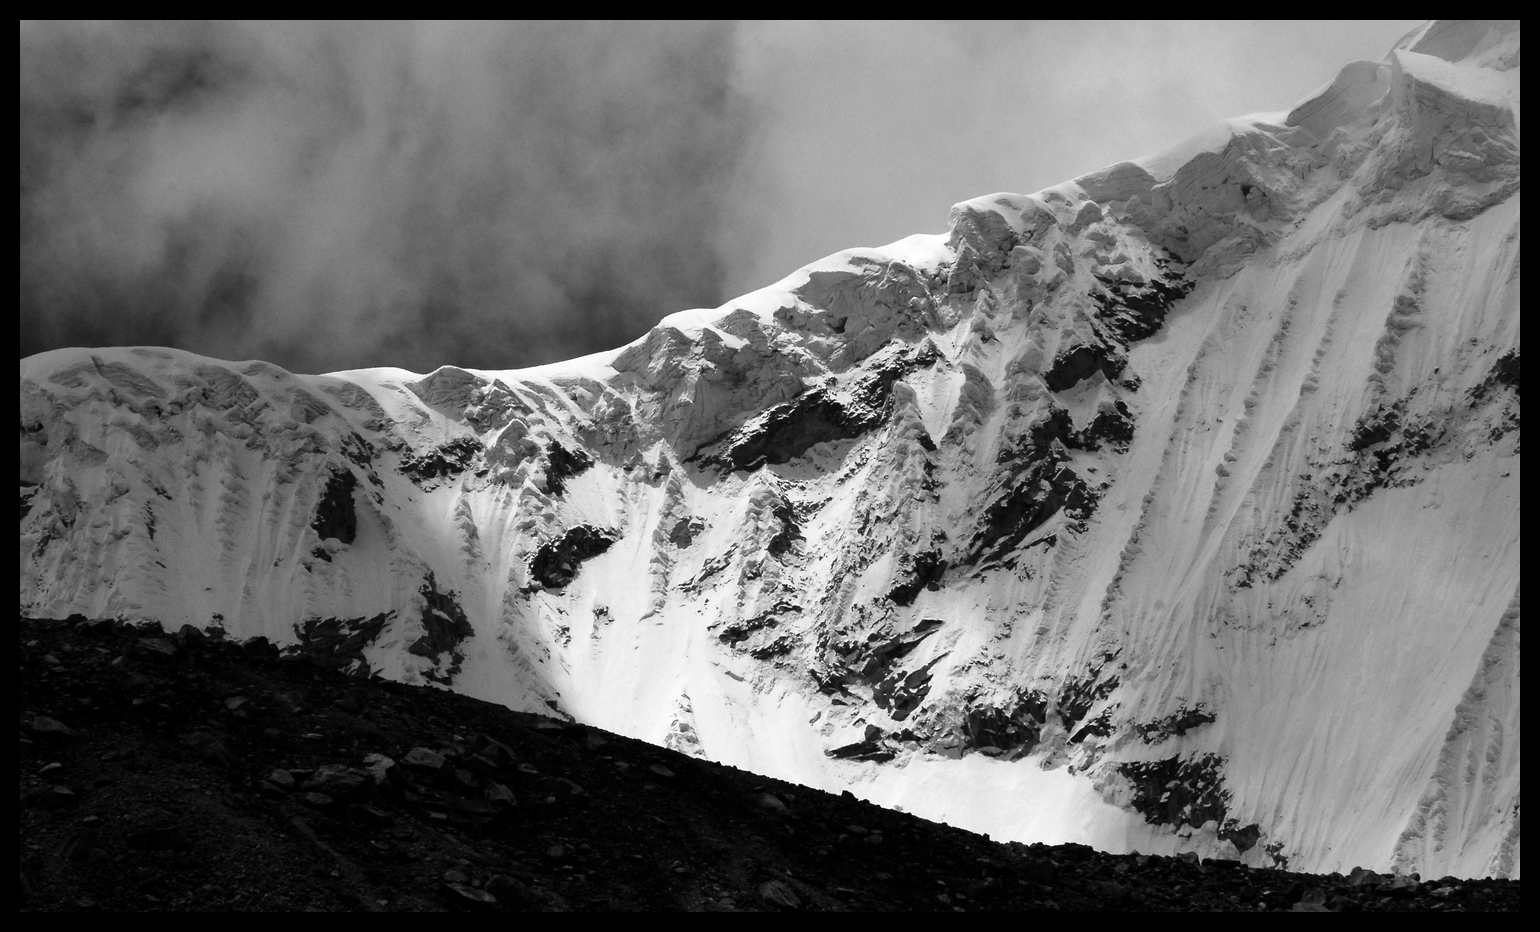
{"points": [[340, 195]]}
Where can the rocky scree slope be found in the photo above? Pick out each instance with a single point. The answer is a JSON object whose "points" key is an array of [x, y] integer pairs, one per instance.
{"points": [[1175, 508], [175, 771]]}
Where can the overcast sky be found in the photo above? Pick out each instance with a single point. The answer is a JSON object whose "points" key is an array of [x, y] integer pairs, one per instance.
{"points": [[495, 196]]}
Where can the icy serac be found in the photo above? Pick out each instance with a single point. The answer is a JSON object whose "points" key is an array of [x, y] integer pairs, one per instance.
{"points": [[1172, 508]]}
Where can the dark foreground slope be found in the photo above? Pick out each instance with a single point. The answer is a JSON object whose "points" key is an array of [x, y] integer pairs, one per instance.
{"points": [[176, 772]]}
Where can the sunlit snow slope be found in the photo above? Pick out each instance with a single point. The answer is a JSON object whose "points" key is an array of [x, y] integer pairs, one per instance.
{"points": [[1172, 508]]}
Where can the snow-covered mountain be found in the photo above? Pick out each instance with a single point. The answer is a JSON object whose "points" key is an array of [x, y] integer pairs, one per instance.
{"points": [[1172, 508]]}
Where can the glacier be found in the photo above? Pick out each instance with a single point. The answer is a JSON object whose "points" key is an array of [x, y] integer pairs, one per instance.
{"points": [[1173, 508]]}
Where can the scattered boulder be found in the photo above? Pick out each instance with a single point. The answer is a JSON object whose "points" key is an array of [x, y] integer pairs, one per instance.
{"points": [[260, 648], [771, 802], [381, 769], [346, 784], [55, 797], [499, 794], [424, 759], [45, 727], [777, 894]]}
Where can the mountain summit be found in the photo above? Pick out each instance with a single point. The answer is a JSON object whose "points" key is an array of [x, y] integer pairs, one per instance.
{"points": [[1173, 508]]}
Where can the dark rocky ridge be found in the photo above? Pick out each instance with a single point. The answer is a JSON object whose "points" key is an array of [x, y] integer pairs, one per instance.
{"points": [[181, 772]]}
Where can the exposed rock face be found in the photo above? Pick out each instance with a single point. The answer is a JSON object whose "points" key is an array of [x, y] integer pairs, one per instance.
{"points": [[334, 516], [445, 460], [1179, 792], [445, 628], [557, 562], [1197, 473], [339, 642], [564, 465]]}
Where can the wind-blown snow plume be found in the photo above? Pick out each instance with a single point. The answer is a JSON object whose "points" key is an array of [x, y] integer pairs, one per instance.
{"points": [[1172, 508]]}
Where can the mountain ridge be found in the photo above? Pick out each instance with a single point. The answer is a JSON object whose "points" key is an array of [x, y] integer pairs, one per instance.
{"points": [[1063, 524]]}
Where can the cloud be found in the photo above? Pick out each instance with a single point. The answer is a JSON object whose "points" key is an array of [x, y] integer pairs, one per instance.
{"points": [[329, 196]]}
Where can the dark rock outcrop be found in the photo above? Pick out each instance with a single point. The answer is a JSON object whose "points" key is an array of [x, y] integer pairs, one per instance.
{"points": [[1099, 727], [926, 570], [1179, 722], [874, 662], [1014, 726], [1032, 497], [557, 561], [739, 633], [1134, 312], [789, 532], [338, 643], [684, 531], [564, 464], [1179, 792], [820, 415], [791, 429], [446, 459], [1080, 362], [445, 628], [335, 516], [901, 693], [1079, 694], [1243, 837], [1113, 427], [1504, 374]]}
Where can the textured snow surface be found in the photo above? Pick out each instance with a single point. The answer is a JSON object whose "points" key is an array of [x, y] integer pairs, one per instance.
{"points": [[1173, 508]]}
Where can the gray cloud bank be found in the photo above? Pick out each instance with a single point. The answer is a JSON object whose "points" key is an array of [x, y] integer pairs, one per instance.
{"points": [[496, 196], [333, 196]]}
